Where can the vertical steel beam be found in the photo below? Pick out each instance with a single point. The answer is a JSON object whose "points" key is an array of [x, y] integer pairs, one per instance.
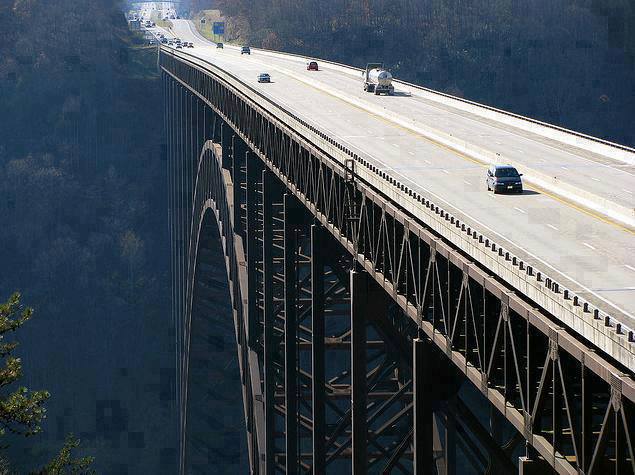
{"points": [[237, 185], [292, 210], [225, 142], [359, 299], [253, 174], [317, 315], [450, 438], [269, 317], [422, 369]]}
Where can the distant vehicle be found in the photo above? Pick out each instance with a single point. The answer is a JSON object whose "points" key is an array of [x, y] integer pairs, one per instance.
{"points": [[219, 45], [190, 45], [377, 79], [163, 40], [245, 50], [178, 46], [152, 42], [504, 178], [178, 17], [312, 66], [264, 77]]}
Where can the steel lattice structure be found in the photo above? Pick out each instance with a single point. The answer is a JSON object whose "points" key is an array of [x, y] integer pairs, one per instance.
{"points": [[366, 342]]}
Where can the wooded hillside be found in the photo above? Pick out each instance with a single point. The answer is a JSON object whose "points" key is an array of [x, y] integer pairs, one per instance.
{"points": [[569, 62]]}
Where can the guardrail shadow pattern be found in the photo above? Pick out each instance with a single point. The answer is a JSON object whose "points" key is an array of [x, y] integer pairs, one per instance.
{"points": [[366, 343]]}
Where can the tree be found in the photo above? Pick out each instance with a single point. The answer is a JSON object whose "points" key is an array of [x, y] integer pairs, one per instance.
{"points": [[22, 411]]}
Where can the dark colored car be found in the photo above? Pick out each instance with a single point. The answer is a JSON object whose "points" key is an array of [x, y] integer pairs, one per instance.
{"points": [[504, 178], [245, 50], [264, 77], [312, 66], [219, 45]]}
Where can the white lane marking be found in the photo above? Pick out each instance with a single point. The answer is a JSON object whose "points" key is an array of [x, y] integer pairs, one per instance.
{"points": [[588, 245], [564, 168], [427, 161], [411, 153], [503, 238], [521, 210], [552, 227], [499, 143], [629, 267], [542, 160], [395, 145], [466, 182], [445, 171], [595, 179], [627, 191], [520, 151]]}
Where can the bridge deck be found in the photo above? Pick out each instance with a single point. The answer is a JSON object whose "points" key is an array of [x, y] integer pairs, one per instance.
{"points": [[593, 256]]}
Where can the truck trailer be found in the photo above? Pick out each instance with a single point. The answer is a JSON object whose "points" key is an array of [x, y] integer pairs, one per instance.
{"points": [[377, 79]]}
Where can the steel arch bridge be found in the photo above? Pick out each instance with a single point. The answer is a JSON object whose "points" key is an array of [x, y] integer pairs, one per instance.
{"points": [[366, 343]]}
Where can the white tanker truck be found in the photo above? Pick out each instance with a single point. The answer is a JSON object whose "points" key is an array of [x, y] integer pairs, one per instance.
{"points": [[377, 79]]}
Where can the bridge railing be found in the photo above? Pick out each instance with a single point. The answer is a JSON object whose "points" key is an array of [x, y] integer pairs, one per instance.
{"points": [[607, 332]]}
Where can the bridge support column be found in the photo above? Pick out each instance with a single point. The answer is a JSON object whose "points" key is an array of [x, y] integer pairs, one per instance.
{"points": [[238, 154], [270, 343], [226, 133], [253, 181], [292, 218], [359, 311], [423, 399], [317, 315]]}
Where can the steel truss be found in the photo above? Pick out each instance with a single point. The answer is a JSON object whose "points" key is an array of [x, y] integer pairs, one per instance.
{"points": [[322, 264]]}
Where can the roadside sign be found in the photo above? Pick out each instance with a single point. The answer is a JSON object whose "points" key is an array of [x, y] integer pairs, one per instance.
{"points": [[219, 28]]}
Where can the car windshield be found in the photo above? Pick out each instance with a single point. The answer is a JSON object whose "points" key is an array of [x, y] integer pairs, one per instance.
{"points": [[506, 172]]}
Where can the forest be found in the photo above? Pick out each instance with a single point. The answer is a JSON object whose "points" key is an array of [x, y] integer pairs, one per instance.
{"points": [[84, 232], [567, 62]]}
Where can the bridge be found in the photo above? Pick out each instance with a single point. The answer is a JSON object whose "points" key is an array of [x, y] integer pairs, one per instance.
{"points": [[390, 315]]}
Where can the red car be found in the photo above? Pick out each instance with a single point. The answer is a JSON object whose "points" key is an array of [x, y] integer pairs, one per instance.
{"points": [[312, 66]]}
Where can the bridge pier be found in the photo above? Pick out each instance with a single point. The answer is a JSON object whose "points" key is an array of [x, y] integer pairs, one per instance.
{"points": [[318, 244], [360, 296], [423, 406]]}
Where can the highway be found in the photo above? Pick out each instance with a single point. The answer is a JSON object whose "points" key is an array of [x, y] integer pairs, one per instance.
{"points": [[594, 256]]}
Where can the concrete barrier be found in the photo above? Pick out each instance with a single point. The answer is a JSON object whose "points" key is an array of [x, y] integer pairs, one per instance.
{"points": [[608, 332], [567, 191]]}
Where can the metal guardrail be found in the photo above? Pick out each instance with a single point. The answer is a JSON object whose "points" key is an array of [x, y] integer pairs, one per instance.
{"points": [[467, 101], [498, 252]]}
